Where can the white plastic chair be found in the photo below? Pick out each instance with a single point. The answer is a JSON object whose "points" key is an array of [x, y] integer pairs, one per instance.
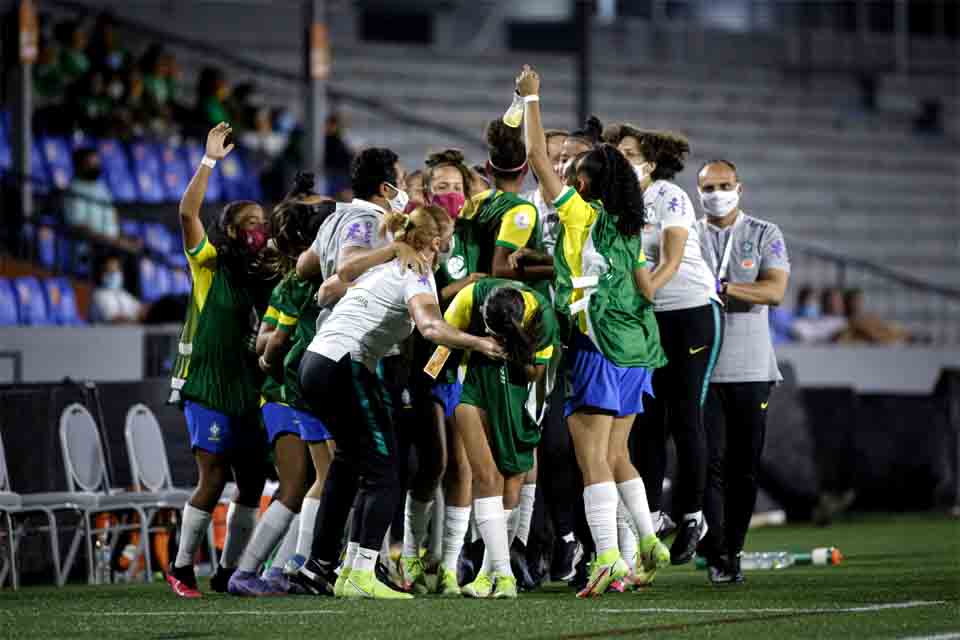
{"points": [[149, 467]]}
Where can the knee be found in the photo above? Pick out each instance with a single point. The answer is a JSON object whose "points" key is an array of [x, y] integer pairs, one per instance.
{"points": [[488, 481], [292, 497]]}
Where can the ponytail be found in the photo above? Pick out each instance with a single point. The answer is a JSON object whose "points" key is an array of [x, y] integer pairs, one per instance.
{"points": [[503, 312], [417, 228]]}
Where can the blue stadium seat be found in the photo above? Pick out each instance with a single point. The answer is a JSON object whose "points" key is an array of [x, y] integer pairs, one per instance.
{"points": [[82, 140], [147, 172], [6, 154], [147, 270], [181, 282], [116, 171], [194, 153], [239, 182], [176, 173], [163, 281], [131, 229], [46, 244], [176, 258], [62, 301], [33, 304], [157, 238], [39, 173], [59, 158], [9, 315]]}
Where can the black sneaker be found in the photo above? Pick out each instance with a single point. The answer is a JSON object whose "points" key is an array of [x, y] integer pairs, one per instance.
{"points": [[566, 557], [735, 570], [521, 569], [720, 570], [315, 578], [667, 527], [221, 579], [685, 544], [472, 556]]}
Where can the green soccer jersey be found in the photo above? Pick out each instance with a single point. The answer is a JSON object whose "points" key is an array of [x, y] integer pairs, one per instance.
{"points": [[216, 364], [596, 289], [293, 309]]}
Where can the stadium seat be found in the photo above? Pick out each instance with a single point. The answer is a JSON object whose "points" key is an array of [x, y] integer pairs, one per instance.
{"points": [[6, 155], [239, 182], [33, 304], [9, 307], [163, 281], [147, 270], [62, 301], [176, 173], [116, 171], [181, 282], [193, 153], [157, 238], [59, 158], [131, 229], [147, 172], [176, 258], [39, 173]]}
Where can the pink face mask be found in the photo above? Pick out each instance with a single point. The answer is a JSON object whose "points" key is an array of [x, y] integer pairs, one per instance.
{"points": [[453, 202], [255, 238]]}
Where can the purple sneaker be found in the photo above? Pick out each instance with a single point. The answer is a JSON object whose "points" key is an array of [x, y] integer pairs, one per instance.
{"points": [[248, 583], [276, 580]]}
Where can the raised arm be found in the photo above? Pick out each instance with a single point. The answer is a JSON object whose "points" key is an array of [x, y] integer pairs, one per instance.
{"points": [[192, 199], [426, 314], [528, 86]]}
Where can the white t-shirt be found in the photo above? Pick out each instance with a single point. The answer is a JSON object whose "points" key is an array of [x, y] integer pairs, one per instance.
{"points": [[110, 304], [547, 219], [667, 205], [372, 317]]}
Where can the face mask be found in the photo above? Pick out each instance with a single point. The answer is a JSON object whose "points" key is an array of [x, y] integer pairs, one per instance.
{"points": [[113, 280], [719, 203], [641, 170], [452, 202], [398, 202], [254, 239]]}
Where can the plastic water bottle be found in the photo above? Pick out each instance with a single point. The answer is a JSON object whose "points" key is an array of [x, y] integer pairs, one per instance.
{"points": [[766, 560], [821, 556], [514, 113]]}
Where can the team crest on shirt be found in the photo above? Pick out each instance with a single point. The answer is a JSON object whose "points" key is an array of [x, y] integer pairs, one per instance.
{"points": [[214, 432], [746, 247], [522, 220], [457, 267]]}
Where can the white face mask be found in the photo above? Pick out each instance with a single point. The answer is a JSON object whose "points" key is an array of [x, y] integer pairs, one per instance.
{"points": [[719, 203], [398, 202], [641, 170]]}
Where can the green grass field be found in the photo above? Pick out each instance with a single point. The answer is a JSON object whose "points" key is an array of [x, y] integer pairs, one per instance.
{"points": [[901, 578]]}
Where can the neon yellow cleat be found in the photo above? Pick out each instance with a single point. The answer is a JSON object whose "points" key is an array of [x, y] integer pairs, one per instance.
{"points": [[447, 584], [651, 555], [506, 588], [413, 577], [608, 566], [481, 587], [341, 582], [364, 584]]}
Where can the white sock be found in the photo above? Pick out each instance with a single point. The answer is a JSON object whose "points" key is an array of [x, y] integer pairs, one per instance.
{"points": [[600, 504], [634, 496], [241, 520], [415, 514], [456, 521], [352, 548], [308, 517], [288, 547], [194, 525], [435, 545], [492, 523], [269, 530], [626, 536], [528, 493], [696, 515], [474, 531], [511, 516], [366, 559]]}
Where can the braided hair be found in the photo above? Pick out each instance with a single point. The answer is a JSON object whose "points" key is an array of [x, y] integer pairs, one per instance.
{"points": [[503, 315]]}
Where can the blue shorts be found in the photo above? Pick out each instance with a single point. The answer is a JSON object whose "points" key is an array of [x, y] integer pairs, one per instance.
{"points": [[219, 433], [597, 383], [281, 418], [448, 395]]}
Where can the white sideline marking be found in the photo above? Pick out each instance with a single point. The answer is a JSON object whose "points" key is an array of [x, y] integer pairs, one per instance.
{"points": [[863, 609], [211, 612], [950, 635]]}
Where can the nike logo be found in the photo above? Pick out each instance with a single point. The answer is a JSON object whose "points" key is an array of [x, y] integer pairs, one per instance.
{"points": [[694, 352], [763, 405]]}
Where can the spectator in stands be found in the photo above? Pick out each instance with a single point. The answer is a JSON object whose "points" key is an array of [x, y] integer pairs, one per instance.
{"points": [[89, 205], [414, 188], [74, 62], [262, 144], [337, 156], [864, 327], [112, 303], [818, 327], [90, 103], [105, 51], [160, 77], [49, 80], [212, 94]]}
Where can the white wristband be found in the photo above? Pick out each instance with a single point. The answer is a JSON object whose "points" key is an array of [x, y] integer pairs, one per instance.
{"points": [[207, 161], [531, 98]]}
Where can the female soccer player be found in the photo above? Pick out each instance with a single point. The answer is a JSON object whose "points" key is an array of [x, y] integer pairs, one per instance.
{"points": [[337, 375], [216, 375], [688, 314], [493, 418], [295, 222], [604, 290]]}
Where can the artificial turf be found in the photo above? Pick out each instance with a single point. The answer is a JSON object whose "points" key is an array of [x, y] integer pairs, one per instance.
{"points": [[909, 564]]}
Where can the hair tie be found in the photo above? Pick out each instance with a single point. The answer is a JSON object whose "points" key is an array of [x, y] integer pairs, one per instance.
{"points": [[515, 169]]}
